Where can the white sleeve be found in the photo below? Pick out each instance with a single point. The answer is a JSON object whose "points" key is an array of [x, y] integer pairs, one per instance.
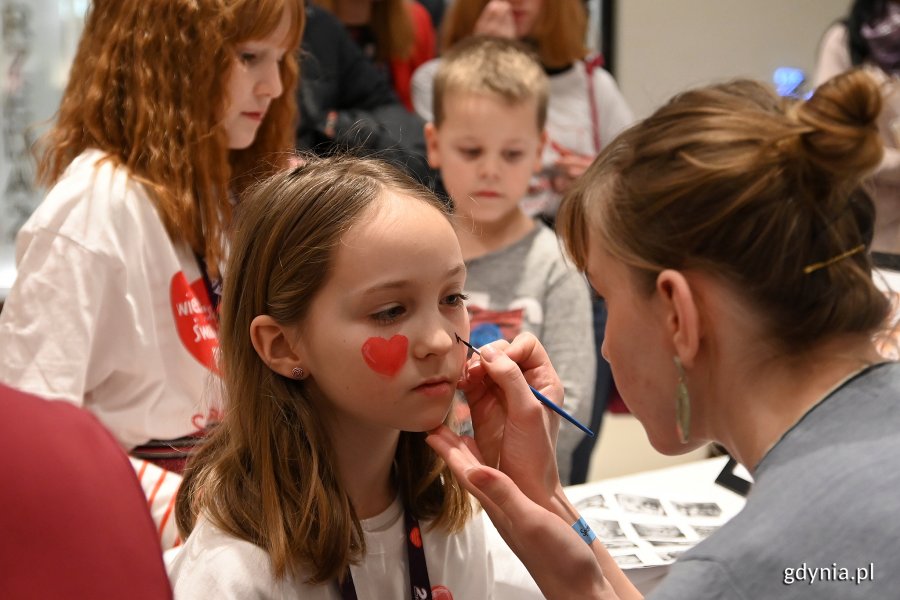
{"points": [[422, 88], [66, 322], [615, 114]]}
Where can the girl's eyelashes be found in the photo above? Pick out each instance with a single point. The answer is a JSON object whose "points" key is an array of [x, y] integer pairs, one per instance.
{"points": [[388, 315], [457, 299], [247, 57], [391, 314]]}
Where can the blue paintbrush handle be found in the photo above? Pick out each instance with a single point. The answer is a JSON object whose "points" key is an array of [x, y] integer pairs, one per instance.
{"points": [[558, 410], [544, 399]]}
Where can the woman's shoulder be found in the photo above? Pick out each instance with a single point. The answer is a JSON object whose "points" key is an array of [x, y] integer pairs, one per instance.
{"points": [[836, 33], [419, 15], [833, 54], [571, 89], [94, 199]]}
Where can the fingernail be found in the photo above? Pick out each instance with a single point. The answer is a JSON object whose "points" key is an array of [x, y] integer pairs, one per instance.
{"points": [[488, 353]]}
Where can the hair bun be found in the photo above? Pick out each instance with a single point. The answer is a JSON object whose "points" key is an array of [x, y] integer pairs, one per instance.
{"points": [[842, 140]]}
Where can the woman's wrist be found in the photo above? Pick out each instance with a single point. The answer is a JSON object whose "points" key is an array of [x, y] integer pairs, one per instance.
{"points": [[559, 505]]}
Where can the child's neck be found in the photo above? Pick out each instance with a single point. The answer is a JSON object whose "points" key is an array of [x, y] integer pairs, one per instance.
{"points": [[479, 238], [365, 458]]}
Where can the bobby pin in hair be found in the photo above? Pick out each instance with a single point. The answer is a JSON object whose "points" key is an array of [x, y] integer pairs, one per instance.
{"points": [[827, 263]]}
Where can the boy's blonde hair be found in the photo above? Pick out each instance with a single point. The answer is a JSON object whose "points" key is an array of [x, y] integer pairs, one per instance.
{"points": [[495, 66]]}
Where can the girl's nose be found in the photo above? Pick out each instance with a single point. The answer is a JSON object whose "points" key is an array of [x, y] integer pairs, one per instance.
{"points": [[270, 83], [437, 337]]}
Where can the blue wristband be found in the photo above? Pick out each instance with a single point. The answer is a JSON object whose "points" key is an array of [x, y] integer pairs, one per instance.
{"points": [[584, 530]]}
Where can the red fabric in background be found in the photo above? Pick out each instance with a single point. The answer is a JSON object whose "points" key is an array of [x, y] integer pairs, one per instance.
{"points": [[74, 522], [615, 403], [423, 50]]}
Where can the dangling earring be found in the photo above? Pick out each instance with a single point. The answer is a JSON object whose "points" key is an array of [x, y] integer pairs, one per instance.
{"points": [[297, 373], [682, 405]]}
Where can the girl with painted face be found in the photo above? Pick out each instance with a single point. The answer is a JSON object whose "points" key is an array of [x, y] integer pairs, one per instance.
{"points": [[342, 301], [171, 108]]}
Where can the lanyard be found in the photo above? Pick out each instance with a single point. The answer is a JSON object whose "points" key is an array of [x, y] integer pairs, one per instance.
{"points": [[419, 584], [213, 288], [589, 66]]}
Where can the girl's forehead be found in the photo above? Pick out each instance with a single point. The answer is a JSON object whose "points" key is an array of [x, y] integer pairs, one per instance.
{"points": [[396, 228], [398, 210]]}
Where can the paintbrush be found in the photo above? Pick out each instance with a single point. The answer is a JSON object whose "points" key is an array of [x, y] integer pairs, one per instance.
{"points": [[544, 399]]}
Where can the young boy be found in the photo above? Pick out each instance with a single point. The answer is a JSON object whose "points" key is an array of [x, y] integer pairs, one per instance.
{"points": [[490, 105]]}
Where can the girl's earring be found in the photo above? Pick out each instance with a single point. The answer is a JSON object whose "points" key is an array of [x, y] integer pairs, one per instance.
{"points": [[297, 373], [682, 405]]}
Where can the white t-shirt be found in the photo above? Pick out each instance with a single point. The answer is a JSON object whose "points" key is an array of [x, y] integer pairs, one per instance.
{"points": [[108, 313], [213, 564]]}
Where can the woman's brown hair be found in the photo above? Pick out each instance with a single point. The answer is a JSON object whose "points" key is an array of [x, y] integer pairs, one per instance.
{"points": [[558, 35], [266, 473], [761, 191], [148, 88], [393, 27]]}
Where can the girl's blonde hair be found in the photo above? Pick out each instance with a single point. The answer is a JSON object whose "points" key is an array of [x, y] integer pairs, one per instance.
{"points": [[558, 35], [148, 87], [760, 191], [266, 473], [393, 27]]}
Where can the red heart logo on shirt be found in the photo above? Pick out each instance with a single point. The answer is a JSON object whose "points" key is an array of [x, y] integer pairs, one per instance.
{"points": [[385, 356], [194, 319]]}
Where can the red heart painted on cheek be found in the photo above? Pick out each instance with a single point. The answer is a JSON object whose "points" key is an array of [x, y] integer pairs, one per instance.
{"points": [[385, 356]]}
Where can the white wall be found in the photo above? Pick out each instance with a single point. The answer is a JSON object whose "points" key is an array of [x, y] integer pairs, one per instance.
{"points": [[664, 46]]}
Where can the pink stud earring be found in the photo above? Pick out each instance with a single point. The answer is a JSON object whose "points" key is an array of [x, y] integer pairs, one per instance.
{"points": [[297, 373]]}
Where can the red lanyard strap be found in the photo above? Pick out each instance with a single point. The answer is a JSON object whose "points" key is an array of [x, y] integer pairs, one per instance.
{"points": [[589, 65], [419, 583]]}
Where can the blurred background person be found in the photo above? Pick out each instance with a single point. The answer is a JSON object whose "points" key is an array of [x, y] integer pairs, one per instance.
{"points": [[347, 104], [397, 35], [869, 37]]}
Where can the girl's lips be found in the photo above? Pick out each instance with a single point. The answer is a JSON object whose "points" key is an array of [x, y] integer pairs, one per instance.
{"points": [[487, 194], [434, 387], [256, 116]]}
